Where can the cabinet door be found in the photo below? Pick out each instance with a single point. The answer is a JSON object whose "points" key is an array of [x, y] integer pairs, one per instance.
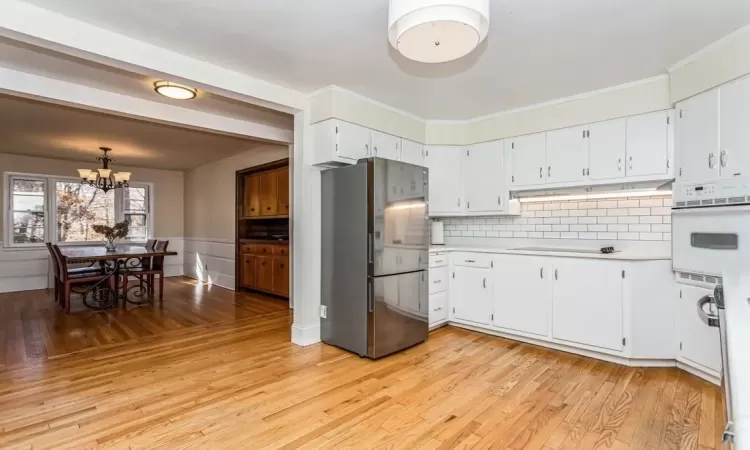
{"points": [[522, 293], [252, 195], [697, 151], [247, 270], [567, 155], [607, 149], [699, 343], [386, 146], [444, 180], [412, 153], [438, 307], [587, 302], [648, 149], [282, 181], [353, 141], [734, 155], [281, 275], [483, 171], [471, 294], [269, 198], [264, 273], [529, 159]]}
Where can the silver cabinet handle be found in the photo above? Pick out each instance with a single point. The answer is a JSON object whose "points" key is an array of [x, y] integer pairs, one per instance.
{"points": [[630, 162], [370, 247], [549, 171], [484, 283], [469, 261], [712, 320], [711, 157], [722, 158], [438, 281], [583, 171], [459, 202], [555, 274], [541, 272], [540, 172], [498, 200], [367, 149], [375, 150], [438, 261], [619, 164], [468, 205]]}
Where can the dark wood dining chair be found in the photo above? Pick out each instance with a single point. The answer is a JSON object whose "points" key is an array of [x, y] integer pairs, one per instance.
{"points": [[68, 277], [150, 244], [150, 272]]}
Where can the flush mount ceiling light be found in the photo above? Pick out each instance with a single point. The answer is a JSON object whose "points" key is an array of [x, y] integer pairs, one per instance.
{"points": [[174, 90], [435, 31]]}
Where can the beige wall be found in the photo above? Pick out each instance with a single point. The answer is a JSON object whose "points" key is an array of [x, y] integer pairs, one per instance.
{"points": [[210, 192], [168, 187]]}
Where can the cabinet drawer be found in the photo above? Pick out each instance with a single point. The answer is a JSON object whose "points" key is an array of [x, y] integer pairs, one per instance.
{"points": [[281, 250], [247, 248], [438, 259], [438, 279], [438, 307], [264, 249], [483, 260]]}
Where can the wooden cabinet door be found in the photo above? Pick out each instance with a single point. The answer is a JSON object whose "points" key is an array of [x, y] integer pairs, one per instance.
{"points": [[567, 155], [269, 194], [587, 302], [648, 147], [282, 180], [529, 159], [247, 271], [281, 275], [252, 195], [607, 149], [522, 294], [445, 180], [264, 273]]}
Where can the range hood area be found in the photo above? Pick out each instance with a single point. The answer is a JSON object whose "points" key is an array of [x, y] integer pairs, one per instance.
{"points": [[600, 190]]}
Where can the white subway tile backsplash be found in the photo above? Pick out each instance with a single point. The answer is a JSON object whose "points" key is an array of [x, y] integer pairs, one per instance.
{"points": [[635, 218]]}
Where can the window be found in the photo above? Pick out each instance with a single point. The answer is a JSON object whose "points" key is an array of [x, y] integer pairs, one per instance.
{"points": [[62, 210], [27, 210]]}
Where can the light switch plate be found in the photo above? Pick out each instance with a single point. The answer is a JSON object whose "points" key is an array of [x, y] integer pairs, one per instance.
{"points": [[323, 311]]}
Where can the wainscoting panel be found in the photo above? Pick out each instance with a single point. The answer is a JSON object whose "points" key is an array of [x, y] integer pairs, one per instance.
{"points": [[210, 261]]}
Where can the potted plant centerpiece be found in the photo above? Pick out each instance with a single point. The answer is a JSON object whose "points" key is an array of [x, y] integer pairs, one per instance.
{"points": [[110, 234]]}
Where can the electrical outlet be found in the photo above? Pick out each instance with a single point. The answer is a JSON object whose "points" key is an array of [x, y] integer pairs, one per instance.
{"points": [[323, 311]]}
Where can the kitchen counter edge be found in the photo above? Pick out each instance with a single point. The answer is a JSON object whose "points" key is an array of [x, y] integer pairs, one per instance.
{"points": [[623, 255]]}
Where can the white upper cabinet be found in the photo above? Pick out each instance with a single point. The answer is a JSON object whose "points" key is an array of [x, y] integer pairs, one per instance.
{"points": [[385, 146], [445, 182], [412, 152], [648, 144], [734, 154], [697, 155], [340, 142], [529, 159], [587, 303], [606, 142], [522, 293], [567, 155], [484, 180]]}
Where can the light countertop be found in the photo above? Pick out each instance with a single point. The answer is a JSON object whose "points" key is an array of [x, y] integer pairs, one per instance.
{"points": [[626, 254]]}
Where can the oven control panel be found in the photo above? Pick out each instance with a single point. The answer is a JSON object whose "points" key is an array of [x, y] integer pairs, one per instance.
{"points": [[729, 191], [699, 190]]}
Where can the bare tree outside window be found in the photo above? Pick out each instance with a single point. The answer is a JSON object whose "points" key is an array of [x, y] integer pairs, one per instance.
{"points": [[78, 207], [27, 208]]}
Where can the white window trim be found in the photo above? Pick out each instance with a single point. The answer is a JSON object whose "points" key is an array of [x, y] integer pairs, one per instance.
{"points": [[50, 219]]}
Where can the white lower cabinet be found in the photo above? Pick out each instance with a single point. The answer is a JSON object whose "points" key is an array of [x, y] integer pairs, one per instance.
{"points": [[522, 294], [438, 308], [697, 342], [587, 302], [471, 294]]}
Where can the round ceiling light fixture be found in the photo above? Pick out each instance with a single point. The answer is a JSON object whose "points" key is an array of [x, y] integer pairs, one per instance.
{"points": [[174, 90], [435, 31]]}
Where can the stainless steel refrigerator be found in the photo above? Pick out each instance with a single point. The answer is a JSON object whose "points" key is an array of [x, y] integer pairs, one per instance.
{"points": [[375, 238]]}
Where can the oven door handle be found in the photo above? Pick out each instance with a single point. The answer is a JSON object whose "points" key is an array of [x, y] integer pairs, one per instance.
{"points": [[712, 320]]}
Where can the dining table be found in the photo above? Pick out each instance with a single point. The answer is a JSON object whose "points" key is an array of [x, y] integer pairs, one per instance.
{"points": [[114, 263]]}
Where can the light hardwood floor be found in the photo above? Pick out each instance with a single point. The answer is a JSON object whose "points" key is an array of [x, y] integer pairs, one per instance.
{"points": [[219, 372]]}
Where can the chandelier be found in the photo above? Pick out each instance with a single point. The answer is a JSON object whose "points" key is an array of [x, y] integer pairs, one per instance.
{"points": [[104, 178], [436, 31]]}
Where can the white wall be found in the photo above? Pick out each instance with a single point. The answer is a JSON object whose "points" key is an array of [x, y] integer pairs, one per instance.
{"points": [[720, 62], [210, 215]]}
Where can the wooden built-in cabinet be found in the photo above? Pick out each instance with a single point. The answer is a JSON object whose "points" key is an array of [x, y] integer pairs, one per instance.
{"points": [[282, 181], [266, 194], [252, 195], [265, 267]]}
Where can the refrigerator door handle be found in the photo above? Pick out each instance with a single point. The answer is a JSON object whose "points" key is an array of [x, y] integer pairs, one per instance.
{"points": [[370, 296], [370, 247]]}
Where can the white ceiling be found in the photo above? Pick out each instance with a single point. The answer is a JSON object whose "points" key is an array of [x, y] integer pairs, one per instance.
{"points": [[38, 61], [34, 128], [537, 50]]}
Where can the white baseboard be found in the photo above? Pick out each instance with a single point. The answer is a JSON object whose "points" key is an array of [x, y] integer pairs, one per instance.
{"points": [[710, 376], [304, 336]]}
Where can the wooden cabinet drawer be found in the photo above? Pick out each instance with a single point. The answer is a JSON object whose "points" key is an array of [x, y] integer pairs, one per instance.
{"points": [[281, 250], [264, 249], [438, 279], [483, 260], [247, 248]]}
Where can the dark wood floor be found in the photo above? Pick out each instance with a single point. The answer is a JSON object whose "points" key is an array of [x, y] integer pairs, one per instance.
{"points": [[214, 369], [32, 328]]}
